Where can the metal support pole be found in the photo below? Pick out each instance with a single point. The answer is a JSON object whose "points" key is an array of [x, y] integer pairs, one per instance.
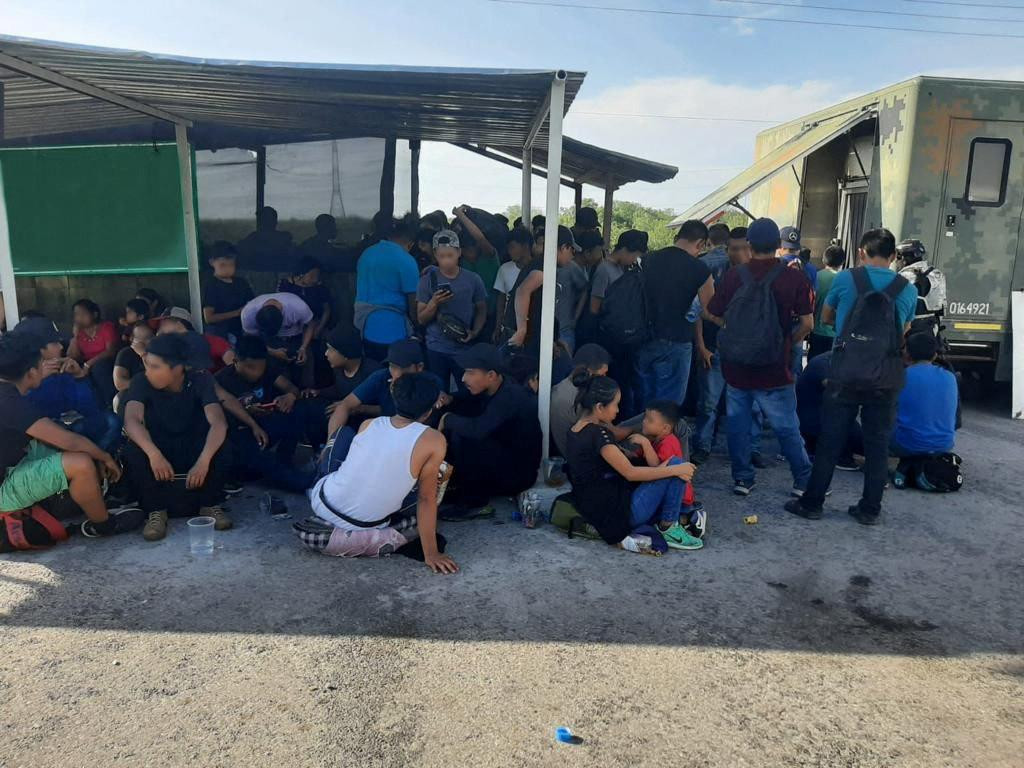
{"points": [[7, 287], [578, 198], [261, 179], [547, 311], [609, 201], [387, 178], [1017, 318], [191, 233], [414, 178], [527, 185]]}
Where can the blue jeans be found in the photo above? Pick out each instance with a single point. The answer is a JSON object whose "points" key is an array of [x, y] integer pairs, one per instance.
{"points": [[274, 463], [712, 389], [102, 427], [657, 501], [662, 370], [568, 337], [779, 408], [444, 367], [336, 451]]}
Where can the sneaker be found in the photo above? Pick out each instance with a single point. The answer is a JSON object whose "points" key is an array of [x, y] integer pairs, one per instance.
{"points": [[156, 525], [121, 520], [758, 461], [698, 524], [677, 538], [231, 487], [797, 508], [699, 456], [455, 513], [847, 465], [798, 493], [862, 517], [743, 487], [221, 521]]}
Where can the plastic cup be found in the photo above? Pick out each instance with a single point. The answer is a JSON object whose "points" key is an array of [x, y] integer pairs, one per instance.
{"points": [[200, 535]]}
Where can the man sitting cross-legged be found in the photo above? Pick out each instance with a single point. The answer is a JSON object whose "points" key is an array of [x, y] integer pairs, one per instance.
{"points": [[385, 493]]}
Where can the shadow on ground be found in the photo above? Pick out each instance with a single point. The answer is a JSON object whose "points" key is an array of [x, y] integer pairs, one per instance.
{"points": [[943, 576]]}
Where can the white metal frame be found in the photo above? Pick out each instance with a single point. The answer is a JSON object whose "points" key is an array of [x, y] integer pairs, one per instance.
{"points": [[7, 288]]}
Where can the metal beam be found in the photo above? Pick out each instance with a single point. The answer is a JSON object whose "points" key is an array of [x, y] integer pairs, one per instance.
{"points": [[736, 204], [527, 168], [538, 122], [609, 204], [490, 154], [261, 180], [414, 178], [547, 307], [7, 286], [189, 220], [78, 86], [578, 197]]}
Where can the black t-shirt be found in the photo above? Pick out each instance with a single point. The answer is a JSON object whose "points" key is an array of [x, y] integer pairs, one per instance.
{"points": [[227, 297], [17, 414], [345, 385], [602, 494], [250, 392], [672, 278], [316, 296], [533, 318], [173, 413], [128, 358]]}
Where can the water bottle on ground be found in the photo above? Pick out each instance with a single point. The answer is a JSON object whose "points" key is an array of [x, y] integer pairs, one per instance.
{"points": [[640, 544]]}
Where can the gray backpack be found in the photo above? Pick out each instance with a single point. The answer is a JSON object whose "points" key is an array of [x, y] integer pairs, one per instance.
{"points": [[752, 335]]}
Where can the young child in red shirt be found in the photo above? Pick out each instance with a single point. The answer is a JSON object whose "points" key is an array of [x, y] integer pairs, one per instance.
{"points": [[659, 425]]}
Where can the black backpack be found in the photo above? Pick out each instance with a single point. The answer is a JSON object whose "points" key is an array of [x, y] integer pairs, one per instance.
{"points": [[752, 335], [866, 355], [623, 318]]}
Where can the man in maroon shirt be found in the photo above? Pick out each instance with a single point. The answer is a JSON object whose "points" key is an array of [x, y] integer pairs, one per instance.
{"points": [[769, 386]]}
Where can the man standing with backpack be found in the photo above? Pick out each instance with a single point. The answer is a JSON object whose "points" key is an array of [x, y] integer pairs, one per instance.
{"points": [[871, 307], [755, 307]]}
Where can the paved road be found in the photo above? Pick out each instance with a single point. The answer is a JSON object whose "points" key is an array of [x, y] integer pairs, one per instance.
{"points": [[785, 643]]}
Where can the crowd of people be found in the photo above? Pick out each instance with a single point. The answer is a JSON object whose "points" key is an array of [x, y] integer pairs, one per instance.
{"points": [[423, 407]]}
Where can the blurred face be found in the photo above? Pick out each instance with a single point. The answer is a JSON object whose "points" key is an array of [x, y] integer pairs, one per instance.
{"points": [[397, 373], [564, 255], [251, 370], [739, 251], [447, 258], [223, 268], [787, 253], [602, 371], [608, 413], [654, 425], [478, 381], [131, 317], [538, 246], [161, 375], [52, 351], [518, 252], [83, 318], [593, 256], [141, 334], [172, 325], [626, 258]]}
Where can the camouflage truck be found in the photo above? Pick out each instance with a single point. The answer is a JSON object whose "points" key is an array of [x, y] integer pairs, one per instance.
{"points": [[936, 159]]}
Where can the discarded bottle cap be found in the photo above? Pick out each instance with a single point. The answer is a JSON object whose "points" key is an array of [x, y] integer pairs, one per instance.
{"points": [[750, 519]]}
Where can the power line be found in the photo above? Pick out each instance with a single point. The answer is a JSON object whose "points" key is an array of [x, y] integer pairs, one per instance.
{"points": [[966, 5], [873, 11], [730, 17], [677, 117]]}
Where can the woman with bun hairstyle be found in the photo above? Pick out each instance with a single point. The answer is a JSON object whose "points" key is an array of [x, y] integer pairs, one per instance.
{"points": [[612, 494]]}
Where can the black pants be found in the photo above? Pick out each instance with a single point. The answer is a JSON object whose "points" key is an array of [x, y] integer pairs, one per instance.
{"points": [[181, 451], [818, 345], [484, 468], [877, 412]]}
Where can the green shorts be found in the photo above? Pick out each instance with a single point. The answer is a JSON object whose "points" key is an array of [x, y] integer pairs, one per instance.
{"points": [[38, 476]]}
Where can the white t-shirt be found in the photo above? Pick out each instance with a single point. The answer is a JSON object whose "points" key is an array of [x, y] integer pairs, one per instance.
{"points": [[506, 278]]}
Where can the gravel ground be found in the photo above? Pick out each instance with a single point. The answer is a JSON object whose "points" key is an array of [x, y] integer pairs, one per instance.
{"points": [[783, 643]]}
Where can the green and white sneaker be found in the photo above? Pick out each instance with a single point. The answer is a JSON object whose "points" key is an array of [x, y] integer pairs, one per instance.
{"points": [[677, 538]]}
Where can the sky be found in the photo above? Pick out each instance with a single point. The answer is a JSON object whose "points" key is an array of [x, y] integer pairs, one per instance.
{"points": [[648, 74]]}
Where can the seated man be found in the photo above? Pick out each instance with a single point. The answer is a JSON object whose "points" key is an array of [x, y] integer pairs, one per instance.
{"points": [[372, 398], [927, 406], [271, 400], [177, 428], [179, 320], [350, 369], [65, 394], [39, 458], [385, 494], [810, 403], [494, 436]]}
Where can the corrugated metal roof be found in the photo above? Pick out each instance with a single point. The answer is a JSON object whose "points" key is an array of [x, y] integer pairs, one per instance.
{"points": [[595, 165], [235, 103], [812, 137]]}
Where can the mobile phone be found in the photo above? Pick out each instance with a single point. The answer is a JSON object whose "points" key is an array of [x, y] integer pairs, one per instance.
{"points": [[446, 287]]}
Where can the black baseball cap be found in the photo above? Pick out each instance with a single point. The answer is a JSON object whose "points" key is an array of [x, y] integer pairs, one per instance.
{"points": [[590, 238], [481, 357], [405, 353], [345, 340], [565, 238], [632, 240], [587, 218], [40, 331]]}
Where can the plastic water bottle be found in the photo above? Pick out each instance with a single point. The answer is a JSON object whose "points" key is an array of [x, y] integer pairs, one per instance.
{"points": [[639, 544]]}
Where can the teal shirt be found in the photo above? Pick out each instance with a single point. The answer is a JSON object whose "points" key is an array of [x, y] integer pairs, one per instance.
{"points": [[824, 285], [843, 295], [487, 267]]}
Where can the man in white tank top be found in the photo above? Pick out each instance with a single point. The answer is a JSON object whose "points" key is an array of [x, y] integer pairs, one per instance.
{"points": [[385, 494]]}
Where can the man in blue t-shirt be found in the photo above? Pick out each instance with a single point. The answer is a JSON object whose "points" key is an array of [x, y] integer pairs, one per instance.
{"points": [[386, 281], [926, 412], [876, 408]]}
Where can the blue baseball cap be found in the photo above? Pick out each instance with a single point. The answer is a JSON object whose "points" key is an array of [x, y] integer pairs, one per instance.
{"points": [[763, 235], [790, 237]]}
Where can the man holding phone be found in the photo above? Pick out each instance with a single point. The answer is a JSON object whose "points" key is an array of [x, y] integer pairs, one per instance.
{"points": [[452, 303]]}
